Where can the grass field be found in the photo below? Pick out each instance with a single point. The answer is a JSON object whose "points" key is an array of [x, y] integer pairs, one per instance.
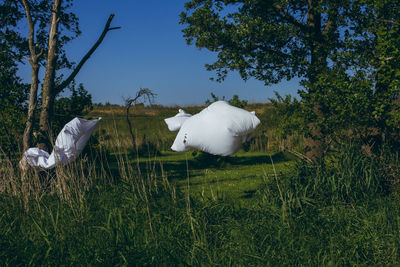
{"points": [[263, 207]]}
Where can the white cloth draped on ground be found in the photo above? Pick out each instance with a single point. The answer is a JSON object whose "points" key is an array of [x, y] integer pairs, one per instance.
{"points": [[219, 129], [69, 144], [175, 123]]}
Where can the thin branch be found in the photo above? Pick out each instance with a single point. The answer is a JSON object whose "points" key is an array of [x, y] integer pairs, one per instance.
{"points": [[40, 53], [393, 22], [331, 25], [31, 26], [289, 18], [107, 28]]}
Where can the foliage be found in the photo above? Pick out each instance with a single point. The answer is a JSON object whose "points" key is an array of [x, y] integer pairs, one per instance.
{"points": [[13, 93], [346, 54], [68, 24], [287, 114], [350, 177], [214, 99], [78, 104], [268, 40], [234, 101], [13, 14]]}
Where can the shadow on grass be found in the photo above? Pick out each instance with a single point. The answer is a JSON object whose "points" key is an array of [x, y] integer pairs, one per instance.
{"points": [[248, 194], [178, 169]]}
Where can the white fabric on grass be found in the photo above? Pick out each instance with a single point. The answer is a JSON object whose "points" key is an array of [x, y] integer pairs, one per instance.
{"points": [[219, 129], [175, 123], [69, 144]]}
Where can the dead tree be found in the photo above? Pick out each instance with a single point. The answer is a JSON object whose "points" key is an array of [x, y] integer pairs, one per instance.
{"points": [[143, 95]]}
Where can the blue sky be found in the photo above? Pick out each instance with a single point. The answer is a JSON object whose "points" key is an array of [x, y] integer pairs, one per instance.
{"points": [[149, 51]]}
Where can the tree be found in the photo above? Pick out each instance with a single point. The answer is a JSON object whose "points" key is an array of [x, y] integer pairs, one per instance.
{"points": [[68, 107], [34, 62], [13, 93], [144, 94], [360, 91], [268, 40], [275, 40], [56, 59]]}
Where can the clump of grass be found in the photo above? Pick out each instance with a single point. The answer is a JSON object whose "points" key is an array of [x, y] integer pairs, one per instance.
{"points": [[350, 177]]}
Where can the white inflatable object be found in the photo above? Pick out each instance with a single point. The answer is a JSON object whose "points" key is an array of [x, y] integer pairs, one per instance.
{"points": [[219, 129], [175, 123], [69, 144]]}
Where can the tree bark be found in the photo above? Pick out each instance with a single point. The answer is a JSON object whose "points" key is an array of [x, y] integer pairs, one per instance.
{"points": [[34, 62], [318, 50], [48, 95]]}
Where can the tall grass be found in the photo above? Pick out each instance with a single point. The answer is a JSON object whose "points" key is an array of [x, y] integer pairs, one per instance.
{"points": [[117, 207], [108, 209]]}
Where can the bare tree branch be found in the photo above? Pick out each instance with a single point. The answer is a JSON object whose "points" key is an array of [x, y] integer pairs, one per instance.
{"points": [[146, 95], [393, 22], [107, 28]]}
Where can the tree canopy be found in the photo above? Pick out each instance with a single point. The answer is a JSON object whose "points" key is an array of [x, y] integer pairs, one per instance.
{"points": [[346, 54], [268, 40]]}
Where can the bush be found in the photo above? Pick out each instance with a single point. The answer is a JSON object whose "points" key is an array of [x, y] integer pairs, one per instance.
{"points": [[351, 177]]}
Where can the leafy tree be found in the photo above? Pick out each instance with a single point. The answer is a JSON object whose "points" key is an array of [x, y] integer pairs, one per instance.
{"points": [[360, 92], [55, 27], [268, 40], [288, 114], [68, 107], [343, 51], [13, 93]]}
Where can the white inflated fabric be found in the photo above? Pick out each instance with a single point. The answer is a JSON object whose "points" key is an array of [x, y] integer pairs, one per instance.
{"points": [[175, 123], [219, 129], [69, 144]]}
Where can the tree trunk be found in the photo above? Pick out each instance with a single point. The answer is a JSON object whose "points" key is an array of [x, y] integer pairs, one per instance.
{"points": [[133, 138], [318, 49], [33, 60], [48, 93], [27, 138]]}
